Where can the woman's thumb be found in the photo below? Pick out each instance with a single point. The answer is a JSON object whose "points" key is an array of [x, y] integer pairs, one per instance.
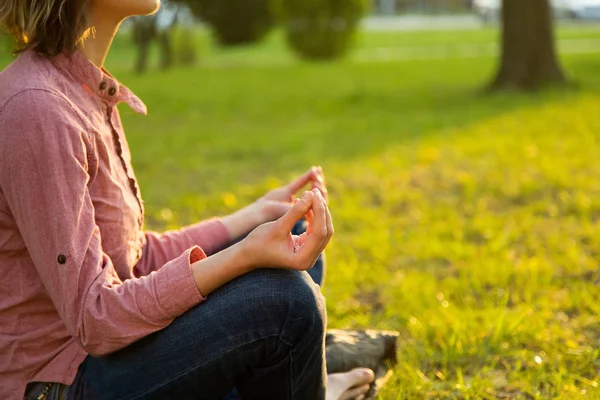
{"points": [[297, 212]]}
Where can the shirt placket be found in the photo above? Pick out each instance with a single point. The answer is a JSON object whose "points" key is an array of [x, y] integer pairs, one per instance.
{"points": [[133, 186]]}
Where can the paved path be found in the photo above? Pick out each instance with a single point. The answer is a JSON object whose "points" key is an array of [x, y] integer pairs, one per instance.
{"points": [[462, 50], [409, 53], [420, 22], [432, 22]]}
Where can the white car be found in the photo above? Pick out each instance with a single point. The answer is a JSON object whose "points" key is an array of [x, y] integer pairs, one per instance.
{"points": [[489, 10]]}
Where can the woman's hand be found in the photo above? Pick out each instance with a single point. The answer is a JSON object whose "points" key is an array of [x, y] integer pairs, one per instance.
{"points": [[278, 201], [272, 245], [314, 176], [273, 205]]}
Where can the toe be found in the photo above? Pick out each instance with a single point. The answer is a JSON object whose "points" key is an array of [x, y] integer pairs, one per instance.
{"points": [[339, 384], [362, 376], [355, 392]]}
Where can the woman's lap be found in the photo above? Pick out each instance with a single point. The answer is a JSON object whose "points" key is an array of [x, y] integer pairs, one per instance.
{"points": [[259, 315], [249, 327], [317, 273]]}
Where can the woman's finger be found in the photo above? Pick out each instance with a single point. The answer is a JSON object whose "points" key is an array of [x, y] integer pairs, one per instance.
{"points": [[319, 182], [314, 242], [310, 216], [297, 212], [321, 210], [309, 176], [352, 394], [321, 187], [328, 222], [302, 239], [330, 229]]}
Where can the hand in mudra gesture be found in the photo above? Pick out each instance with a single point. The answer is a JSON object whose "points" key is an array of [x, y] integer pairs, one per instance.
{"points": [[278, 201], [272, 244], [314, 176]]}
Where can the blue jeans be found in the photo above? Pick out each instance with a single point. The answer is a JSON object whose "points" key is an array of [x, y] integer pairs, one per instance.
{"points": [[317, 273], [262, 333]]}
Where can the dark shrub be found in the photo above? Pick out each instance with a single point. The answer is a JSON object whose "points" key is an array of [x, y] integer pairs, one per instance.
{"points": [[234, 22], [320, 29]]}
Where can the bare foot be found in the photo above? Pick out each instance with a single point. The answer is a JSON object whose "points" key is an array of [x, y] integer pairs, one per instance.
{"points": [[349, 385]]}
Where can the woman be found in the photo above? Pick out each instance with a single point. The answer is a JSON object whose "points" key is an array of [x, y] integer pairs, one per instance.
{"points": [[93, 307]]}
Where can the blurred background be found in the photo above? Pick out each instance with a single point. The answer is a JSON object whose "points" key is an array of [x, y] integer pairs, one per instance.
{"points": [[460, 140]]}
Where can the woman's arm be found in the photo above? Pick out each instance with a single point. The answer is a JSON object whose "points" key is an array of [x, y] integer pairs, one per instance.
{"points": [[273, 205], [44, 175], [216, 234], [242, 222], [270, 245], [160, 248], [212, 235]]}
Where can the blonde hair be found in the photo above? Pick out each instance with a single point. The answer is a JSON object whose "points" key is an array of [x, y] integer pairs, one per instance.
{"points": [[46, 26]]}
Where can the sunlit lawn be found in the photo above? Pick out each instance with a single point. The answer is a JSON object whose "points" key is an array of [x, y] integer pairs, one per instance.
{"points": [[467, 222]]}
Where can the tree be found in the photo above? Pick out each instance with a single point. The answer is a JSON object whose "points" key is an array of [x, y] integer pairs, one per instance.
{"points": [[144, 32], [7, 42], [234, 22], [320, 29], [166, 20], [159, 26], [529, 59]]}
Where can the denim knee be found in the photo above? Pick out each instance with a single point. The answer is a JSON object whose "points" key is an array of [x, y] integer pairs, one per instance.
{"points": [[294, 300]]}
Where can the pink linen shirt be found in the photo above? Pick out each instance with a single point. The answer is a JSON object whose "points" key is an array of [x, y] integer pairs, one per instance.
{"points": [[78, 274]]}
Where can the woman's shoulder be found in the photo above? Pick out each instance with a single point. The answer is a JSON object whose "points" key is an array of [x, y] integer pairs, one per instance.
{"points": [[39, 123], [31, 88], [31, 81]]}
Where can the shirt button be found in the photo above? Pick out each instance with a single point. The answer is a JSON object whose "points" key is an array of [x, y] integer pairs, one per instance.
{"points": [[102, 85], [112, 91], [62, 259]]}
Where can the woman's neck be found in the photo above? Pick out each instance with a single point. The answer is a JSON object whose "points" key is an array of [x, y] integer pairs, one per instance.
{"points": [[96, 40]]}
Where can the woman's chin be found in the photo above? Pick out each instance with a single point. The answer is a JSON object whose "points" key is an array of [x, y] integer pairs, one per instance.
{"points": [[128, 8], [153, 6], [147, 7]]}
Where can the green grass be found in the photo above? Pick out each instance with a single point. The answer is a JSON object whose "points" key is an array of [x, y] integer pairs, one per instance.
{"points": [[467, 222]]}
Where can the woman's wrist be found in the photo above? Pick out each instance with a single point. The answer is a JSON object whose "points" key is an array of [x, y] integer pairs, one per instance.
{"points": [[220, 268], [243, 221]]}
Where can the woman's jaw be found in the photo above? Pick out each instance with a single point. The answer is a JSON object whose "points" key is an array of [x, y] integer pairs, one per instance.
{"points": [[104, 19]]}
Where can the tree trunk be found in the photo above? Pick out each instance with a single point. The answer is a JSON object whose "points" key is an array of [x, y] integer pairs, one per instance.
{"points": [[165, 39], [529, 58], [166, 49], [144, 31], [141, 63]]}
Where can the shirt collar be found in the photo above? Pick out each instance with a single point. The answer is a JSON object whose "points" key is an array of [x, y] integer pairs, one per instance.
{"points": [[98, 81]]}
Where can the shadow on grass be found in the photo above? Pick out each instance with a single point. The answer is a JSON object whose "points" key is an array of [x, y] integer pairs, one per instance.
{"points": [[211, 130]]}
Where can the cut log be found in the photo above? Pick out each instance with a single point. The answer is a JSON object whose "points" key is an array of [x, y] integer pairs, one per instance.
{"points": [[346, 350]]}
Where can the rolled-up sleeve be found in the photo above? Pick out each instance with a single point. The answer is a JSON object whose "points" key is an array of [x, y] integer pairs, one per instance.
{"points": [[45, 159]]}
